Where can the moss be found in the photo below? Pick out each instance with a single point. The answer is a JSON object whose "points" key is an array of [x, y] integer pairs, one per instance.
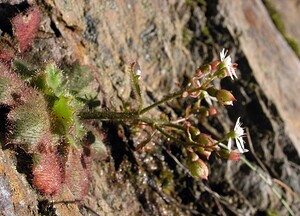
{"points": [[272, 213], [196, 2], [167, 180], [206, 32], [187, 36], [294, 45], [280, 27]]}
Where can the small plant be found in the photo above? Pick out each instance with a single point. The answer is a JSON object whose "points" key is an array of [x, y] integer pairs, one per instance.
{"points": [[42, 120], [183, 131], [42, 116]]}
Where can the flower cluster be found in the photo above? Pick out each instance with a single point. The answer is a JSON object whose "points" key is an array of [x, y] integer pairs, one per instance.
{"points": [[201, 88], [197, 145], [205, 95]]}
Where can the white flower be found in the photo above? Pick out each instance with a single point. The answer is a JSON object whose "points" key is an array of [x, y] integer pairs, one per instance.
{"points": [[223, 54], [135, 67], [208, 98], [237, 134], [229, 67]]}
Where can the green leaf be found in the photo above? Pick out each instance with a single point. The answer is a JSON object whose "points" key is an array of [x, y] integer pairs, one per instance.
{"points": [[63, 110], [64, 114], [54, 79], [135, 72]]}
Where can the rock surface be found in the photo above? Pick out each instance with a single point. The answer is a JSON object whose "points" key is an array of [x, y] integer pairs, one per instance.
{"points": [[274, 64], [289, 14]]}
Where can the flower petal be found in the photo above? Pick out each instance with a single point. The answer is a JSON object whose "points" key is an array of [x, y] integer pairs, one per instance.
{"points": [[229, 144]]}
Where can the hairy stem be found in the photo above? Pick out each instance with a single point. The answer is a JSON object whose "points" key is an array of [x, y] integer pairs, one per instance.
{"points": [[108, 115]]}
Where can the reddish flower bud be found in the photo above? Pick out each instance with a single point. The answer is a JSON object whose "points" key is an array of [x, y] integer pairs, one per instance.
{"points": [[212, 111], [225, 154], [214, 64], [225, 97], [185, 94], [198, 72], [234, 156]]}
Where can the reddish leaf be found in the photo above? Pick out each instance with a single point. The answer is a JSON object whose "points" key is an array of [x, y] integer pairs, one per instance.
{"points": [[77, 173], [47, 174], [25, 27]]}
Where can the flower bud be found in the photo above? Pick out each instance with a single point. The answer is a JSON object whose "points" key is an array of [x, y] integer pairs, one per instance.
{"points": [[221, 73], [222, 65], [203, 151], [204, 140], [193, 156], [198, 72], [214, 64], [212, 111], [224, 97], [185, 94], [198, 169], [225, 154], [136, 69], [205, 69], [193, 131], [203, 112]]}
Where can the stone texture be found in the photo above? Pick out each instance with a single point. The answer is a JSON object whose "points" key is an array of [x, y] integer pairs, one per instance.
{"points": [[290, 16], [274, 64], [17, 196]]}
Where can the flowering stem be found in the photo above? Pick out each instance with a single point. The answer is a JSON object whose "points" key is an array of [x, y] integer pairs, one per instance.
{"points": [[172, 96], [133, 115], [204, 85], [269, 183], [169, 124], [167, 98]]}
